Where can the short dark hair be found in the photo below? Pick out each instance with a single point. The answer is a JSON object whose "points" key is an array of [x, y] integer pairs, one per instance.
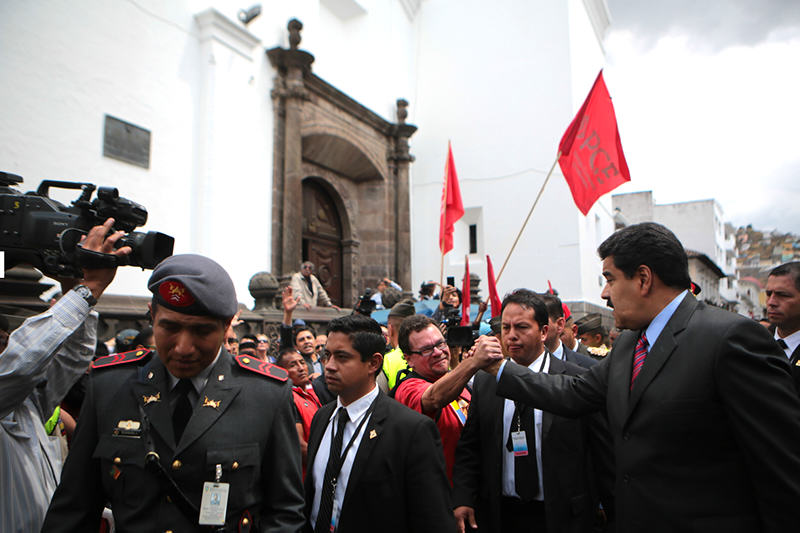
{"points": [[282, 353], [555, 309], [788, 269], [297, 330], [410, 325], [249, 336], [530, 300], [652, 245], [364, 333]]}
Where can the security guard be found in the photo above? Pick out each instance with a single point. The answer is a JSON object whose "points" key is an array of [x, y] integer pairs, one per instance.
{"points": [[193, 440]]}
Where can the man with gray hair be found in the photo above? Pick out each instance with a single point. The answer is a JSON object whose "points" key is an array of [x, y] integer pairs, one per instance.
{"points": [[308, 289]]}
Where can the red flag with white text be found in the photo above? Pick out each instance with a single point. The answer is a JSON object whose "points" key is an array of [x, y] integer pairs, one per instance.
{"points": [[591, 152], [451, 209], [494, 299]]}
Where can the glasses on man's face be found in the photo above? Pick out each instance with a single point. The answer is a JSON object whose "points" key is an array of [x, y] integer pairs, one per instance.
{"points": [[428, 350], [232, 340], [263, 341]]}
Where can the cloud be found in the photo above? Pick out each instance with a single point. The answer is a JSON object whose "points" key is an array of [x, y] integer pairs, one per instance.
{"points": [[782, 195], [710, 25]]}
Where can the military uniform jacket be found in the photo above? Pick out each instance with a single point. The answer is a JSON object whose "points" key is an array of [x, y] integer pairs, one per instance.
{"points": [[242, 421]]}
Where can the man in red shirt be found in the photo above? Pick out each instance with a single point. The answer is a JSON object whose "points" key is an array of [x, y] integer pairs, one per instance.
{"points": [[305, 400], [432, 388]]}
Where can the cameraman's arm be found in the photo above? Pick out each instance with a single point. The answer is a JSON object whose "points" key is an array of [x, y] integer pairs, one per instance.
{"points": [[56, 346]]}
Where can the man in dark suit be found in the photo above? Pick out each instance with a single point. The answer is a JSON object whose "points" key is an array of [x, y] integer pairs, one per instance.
{"points": [[373, 464], [701, 406], [184, 441], [555, 328], [521, 469], [783, 312], [570, 337]]}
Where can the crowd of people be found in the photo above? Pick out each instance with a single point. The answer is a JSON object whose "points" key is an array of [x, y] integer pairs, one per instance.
{"points": [[683, 417]]}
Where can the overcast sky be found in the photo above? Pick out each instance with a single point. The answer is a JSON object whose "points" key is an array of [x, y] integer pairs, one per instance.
{"points": [[707, 95]]}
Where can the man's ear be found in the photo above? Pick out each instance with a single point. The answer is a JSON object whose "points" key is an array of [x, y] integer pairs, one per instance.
{"points": [[545, 329], [644, 275], [376, 363], [560, 324]]}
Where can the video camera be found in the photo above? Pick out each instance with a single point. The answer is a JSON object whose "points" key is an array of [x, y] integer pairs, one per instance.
{"points": [[365, 304], [38, 230]]}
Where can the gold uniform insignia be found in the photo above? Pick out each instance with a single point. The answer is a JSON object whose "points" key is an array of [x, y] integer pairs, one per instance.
{"points": [[211, 403], [129, 424], [373, 434], [150, 399]]}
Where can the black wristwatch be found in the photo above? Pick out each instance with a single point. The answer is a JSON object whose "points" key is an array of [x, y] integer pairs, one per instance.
{"points": [[84, 292]]}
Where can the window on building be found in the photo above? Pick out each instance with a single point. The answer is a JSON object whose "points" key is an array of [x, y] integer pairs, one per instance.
{"points": [[473, 238]]}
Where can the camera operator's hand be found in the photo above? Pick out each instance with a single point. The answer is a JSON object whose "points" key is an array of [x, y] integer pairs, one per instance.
{"points": [[487, 351], [99, 240]]}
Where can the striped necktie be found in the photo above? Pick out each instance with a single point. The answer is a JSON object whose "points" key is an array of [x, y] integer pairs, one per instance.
{"points": [[639, 355]]}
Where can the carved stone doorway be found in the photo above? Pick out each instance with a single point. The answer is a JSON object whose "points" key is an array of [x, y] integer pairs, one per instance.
{"points": [[322, 237]]}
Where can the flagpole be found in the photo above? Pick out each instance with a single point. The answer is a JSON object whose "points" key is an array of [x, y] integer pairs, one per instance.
{"points": [[541, 190], [443, 209]]}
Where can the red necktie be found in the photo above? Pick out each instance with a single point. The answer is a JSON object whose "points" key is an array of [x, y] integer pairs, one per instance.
{"points": [[639, 355]]}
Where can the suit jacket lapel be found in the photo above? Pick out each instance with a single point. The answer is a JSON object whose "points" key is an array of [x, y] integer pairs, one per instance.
{"points": [[314, 440], [661, 351], [214, 400], [369, 440], [150, 391]]}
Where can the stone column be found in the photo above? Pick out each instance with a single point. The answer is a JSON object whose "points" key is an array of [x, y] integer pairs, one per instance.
{"points": [[292, 66], [400, 161]]}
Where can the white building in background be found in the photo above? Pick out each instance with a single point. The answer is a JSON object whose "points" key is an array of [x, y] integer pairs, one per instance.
{"points": [[698, 224], [500, 80]]}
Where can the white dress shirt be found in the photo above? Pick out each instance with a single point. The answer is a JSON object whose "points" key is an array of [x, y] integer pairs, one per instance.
{"points": [[540, 364], [558, 353], [792, 341], [355, 411]]}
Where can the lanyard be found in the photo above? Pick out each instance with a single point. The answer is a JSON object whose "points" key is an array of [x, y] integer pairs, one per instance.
{"points": [[340, 460]]}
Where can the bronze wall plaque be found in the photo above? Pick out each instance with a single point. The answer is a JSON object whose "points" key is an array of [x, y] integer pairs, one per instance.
{"points": [[126, 142]]}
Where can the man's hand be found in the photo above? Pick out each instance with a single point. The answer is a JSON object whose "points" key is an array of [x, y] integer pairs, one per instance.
{"points": [[289, 300], [465, 515], [336, 307], [486, 351], [99, 240]]}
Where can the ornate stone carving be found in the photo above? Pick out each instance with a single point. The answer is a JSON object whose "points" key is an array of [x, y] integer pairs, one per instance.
{"points": [[294, 27], [402, 110], [263, 288]]}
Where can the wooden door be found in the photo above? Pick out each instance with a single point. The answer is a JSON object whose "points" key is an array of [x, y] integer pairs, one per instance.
{"points": [[322, 238]]}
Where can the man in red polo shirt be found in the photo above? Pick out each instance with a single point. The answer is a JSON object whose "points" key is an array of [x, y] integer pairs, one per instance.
{"points": [[305, 400], [432, 388]]}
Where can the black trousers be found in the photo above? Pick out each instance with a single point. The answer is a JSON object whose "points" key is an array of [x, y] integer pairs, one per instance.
{"points": [[522, 517]]}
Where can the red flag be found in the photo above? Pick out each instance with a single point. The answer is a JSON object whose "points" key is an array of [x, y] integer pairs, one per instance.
{"points": [[494, 299], [591, 153], [465, 293], [452, 209]]}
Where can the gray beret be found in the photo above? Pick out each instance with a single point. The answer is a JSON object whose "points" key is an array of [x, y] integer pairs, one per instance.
{"points": [[591, 323], [403, 308], [193, 285]]}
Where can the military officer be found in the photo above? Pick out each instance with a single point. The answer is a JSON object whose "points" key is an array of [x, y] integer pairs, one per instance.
{"points": [[193, 440]]}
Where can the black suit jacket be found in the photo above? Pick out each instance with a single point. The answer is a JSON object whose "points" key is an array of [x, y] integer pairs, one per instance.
{"points": [[398, 481], [707, 440], [576, 461], [794, 362], [256, 446], [577, 358]]}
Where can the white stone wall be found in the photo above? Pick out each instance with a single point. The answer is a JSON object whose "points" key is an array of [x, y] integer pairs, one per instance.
{"points": [[501, 80]]}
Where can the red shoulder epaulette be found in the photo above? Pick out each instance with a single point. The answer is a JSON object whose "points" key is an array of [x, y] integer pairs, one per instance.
{"points": [[265, 368], [120, 358]]}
